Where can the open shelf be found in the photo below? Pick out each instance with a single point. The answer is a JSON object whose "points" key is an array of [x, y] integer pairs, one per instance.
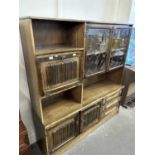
{"points": [[56, 49], [97, 90], [61, 108], [57, 36]]}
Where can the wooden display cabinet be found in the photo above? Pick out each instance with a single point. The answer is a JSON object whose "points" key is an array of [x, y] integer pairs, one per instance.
{"points": [[73, 84]]}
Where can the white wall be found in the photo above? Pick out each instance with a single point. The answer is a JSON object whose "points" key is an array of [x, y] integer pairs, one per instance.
{"points": [[46, 8], [102, 10]]}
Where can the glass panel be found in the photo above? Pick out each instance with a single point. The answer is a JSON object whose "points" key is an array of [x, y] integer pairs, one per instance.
{"points": [[120, 38], [97, 40], [116, 61], [95, 63], [97, 47]]}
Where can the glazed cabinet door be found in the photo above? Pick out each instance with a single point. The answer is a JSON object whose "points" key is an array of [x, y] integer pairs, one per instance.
{"points": [[62, 133], [97, 45], [59, 71], [89, 117], [119, 47]]}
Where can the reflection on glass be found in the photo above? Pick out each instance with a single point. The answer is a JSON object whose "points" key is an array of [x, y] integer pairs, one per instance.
{"points": [[97, 40], [120, 38], [116, 61], [95, 63], [97, 46]]}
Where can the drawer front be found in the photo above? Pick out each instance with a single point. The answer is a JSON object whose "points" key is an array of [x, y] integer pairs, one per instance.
{"points": [[57, 71], [112, 95], [111, 110], [89, 117], [114, 102], [62, 133]]}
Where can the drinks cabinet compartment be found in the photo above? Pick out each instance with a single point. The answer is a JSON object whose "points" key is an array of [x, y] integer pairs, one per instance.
{"points": [[62, 133], [59, 70]]}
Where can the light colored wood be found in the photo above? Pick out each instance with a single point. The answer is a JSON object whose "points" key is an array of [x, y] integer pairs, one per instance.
{"points": [[77, 93], [42, 37], [56, 49], [58, 111], [99, 90], [28, 51], [84, 134], [63, 108], [113, 102]]}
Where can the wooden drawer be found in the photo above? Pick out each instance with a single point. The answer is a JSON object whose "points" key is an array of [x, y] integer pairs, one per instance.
{"points": [[89, 117], [112, 95], [111, 110], [114, 102], [59, 71], [62, 133]]}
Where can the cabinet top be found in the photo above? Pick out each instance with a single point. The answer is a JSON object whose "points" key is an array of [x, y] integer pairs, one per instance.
{"points": [[73, 20]]}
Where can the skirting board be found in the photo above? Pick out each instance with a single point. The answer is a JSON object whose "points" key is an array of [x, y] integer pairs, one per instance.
{"points": [[83, 135]]}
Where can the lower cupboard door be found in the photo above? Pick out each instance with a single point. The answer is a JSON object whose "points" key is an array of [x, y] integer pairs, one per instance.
{"points": [[89, 117], [62, 133]]}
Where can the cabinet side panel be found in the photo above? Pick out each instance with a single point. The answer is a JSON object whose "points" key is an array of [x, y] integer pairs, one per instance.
{"points": [[28, 51]]}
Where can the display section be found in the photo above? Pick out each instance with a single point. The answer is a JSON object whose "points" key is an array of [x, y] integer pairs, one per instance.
{"points": [[120, 41], [97, 50]]}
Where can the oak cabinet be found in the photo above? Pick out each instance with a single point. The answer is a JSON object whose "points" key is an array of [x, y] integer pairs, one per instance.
{"points": [[74, 72]]}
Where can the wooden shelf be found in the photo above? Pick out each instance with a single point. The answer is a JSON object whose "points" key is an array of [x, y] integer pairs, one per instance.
{"points": [[96, 53], [97, 90], [118, 49], [60, 109], [56, 49]]}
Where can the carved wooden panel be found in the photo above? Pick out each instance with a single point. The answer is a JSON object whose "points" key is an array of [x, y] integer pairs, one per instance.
{"points": [[59, 70], [89, 117], [62, 133]]}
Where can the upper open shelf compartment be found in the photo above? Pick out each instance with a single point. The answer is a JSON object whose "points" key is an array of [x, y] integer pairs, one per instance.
{"points": [[57, 36]]}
